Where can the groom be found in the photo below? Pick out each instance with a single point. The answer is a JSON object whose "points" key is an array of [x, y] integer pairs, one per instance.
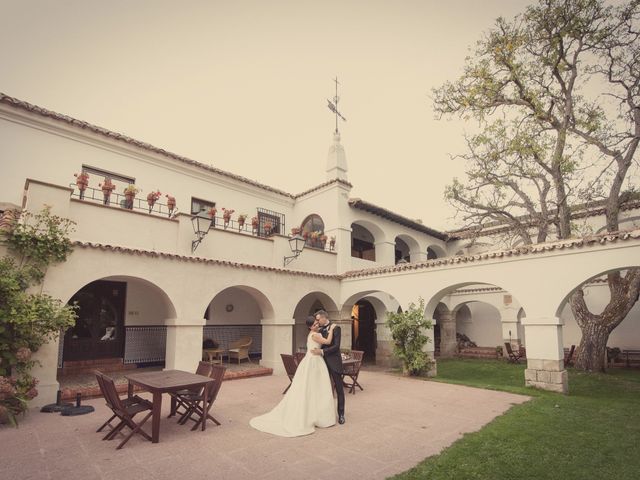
{"points": [[332, 358]]}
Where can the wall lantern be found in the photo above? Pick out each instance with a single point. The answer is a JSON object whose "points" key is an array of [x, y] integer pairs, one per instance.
{"points": [[297, 245], [201, 226]]}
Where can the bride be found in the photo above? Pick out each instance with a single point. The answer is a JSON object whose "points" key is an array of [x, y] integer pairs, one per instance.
{"points": [[309, 401]]}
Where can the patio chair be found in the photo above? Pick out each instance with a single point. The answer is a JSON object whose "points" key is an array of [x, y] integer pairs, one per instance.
{"points": [[195, 409], [239, 349], [204, 369], [290, 366], [352, 370], [125, 413], [568, 359], [513, 357], [129, 401]]}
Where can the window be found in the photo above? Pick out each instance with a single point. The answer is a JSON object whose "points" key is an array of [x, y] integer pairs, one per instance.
{"points": [[362, 243], [201, 207], [275, 219], [313, 223]]}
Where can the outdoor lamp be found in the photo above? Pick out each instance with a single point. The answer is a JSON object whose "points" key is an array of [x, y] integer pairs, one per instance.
{"points": [[201, 226], [297, 245]]}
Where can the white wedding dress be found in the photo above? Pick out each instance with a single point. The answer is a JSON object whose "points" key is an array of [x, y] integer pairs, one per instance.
{"points": [[307, 404]]}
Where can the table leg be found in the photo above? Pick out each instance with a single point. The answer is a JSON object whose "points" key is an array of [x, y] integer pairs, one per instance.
{"points": [[155, 420], [205, 404]]}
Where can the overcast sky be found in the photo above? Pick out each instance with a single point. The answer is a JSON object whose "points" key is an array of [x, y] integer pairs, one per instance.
{"points": [[242, 85]]}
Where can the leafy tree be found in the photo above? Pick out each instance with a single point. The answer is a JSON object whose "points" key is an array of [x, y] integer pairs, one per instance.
{"points": [[407, 330], [556, 92], [28, 319]]}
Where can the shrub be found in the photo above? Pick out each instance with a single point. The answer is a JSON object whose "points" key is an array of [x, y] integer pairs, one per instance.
{"points": [[407, 330]]}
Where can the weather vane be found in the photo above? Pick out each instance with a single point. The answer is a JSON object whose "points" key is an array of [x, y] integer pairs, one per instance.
{"points": [[333, 106]]}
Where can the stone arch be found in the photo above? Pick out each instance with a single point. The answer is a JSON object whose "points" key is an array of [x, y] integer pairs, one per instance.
{"points": [[435, 251], [364, 237], [306, 306], [597, 295], [480, 321], [261, 300], [119, 316], [413, 253]]}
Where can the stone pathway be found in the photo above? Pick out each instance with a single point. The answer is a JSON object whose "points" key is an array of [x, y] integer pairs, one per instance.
{"points": [[391, 426]]}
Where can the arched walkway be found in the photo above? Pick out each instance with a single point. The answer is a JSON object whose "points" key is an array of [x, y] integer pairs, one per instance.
{"points": [[308, 305]]}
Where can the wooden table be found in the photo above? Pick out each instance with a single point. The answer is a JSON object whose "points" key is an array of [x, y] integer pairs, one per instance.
{"points": [[214, 354], [164, 382]]}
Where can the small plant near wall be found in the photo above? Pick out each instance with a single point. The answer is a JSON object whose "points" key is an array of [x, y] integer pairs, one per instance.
{"points": [[82, 181], [107, 187], [268, 226], [323, 240], [295, 231], [171, 203], [332, 243], [226, 215], [212, 214], [28, 319], [255, 224], [130, 193], [499, 352], [152, 198], [407, 331], [242, 218]]}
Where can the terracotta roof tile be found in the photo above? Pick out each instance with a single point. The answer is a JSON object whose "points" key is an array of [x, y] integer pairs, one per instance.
{"points": [[524, 250]]}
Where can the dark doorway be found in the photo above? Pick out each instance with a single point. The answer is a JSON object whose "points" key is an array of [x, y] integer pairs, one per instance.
{"points": [[364, 330], [99, 329]]}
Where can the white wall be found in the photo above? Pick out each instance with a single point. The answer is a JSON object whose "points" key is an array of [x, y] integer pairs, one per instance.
{"points": [[481, 323], [245, 308]]}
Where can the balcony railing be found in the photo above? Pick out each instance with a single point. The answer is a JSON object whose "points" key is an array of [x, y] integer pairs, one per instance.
{"points": [[114, 199]]}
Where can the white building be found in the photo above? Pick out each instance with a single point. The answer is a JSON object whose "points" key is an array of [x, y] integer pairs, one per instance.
{"points": [[146, 297]]}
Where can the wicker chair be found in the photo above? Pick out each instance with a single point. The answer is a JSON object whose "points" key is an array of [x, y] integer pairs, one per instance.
{"points": [[239, 349]]}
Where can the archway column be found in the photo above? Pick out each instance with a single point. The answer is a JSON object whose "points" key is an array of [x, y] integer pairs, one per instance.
{"points": [[545, 355], [277, 338], [448, 341], [184, 345], [386, 253], [430, 349], [417, 256], [46, 371], [384, 347]]}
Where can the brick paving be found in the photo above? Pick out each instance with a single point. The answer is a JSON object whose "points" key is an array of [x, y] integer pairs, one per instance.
{"points": [[391, 426]]}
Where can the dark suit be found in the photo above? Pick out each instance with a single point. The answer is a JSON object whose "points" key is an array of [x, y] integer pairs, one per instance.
{"points": [[333, 359]]}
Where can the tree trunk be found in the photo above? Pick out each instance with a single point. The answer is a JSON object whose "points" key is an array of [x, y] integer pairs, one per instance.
{"points": [[592, 348]]}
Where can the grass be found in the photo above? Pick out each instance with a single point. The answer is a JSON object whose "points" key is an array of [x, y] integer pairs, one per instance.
{"points": [[593, 432]]}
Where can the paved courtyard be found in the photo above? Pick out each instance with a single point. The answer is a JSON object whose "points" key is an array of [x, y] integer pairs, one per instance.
{"points": [[391, 426]]}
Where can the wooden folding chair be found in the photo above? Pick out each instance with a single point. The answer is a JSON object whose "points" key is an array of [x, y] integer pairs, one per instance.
{"points": [[201, 412], [513, 356], [568, 359], [125, 413], [352, 370], [125, 401], [290, 366], [177, 402], [299, 356]]}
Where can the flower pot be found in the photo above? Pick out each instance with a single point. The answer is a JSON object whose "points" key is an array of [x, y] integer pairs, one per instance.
{"points": [[129, 200]]}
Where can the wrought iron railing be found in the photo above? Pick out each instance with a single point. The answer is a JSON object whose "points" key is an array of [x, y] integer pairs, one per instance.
{"points": [[275, 219], [120, 200]]}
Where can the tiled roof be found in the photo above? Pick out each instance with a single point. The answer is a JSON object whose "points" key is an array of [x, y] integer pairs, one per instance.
{"points": [[494, 228], [208, 261], [394, 217], [14, 102], [322, 185], [514, 252]]}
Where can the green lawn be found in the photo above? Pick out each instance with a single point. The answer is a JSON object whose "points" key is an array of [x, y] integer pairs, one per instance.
{"points": [[592, 433]]}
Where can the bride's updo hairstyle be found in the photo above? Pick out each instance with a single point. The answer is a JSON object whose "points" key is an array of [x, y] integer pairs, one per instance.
{"points": [[310, 321]]}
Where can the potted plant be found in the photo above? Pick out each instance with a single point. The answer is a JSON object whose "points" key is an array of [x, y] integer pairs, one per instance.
{"points": [[152, 198], [226, 215], [130, 193], [332, 243], [323, 240], [171, 203], [268, 226], [255, 223], [212, 213], [499, 352], [107, 187], [242, 218], [295, 231], [82, 181], [315, 235]]}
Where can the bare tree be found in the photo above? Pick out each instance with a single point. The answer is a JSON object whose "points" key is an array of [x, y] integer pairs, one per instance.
{"points": [[563, 81]]}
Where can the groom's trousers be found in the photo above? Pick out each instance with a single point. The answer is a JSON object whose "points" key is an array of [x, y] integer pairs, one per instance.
{"points": [[337, 382]]}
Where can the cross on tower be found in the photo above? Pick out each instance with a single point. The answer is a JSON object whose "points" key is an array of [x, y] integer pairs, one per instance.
{"points": [[333, 106]]}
